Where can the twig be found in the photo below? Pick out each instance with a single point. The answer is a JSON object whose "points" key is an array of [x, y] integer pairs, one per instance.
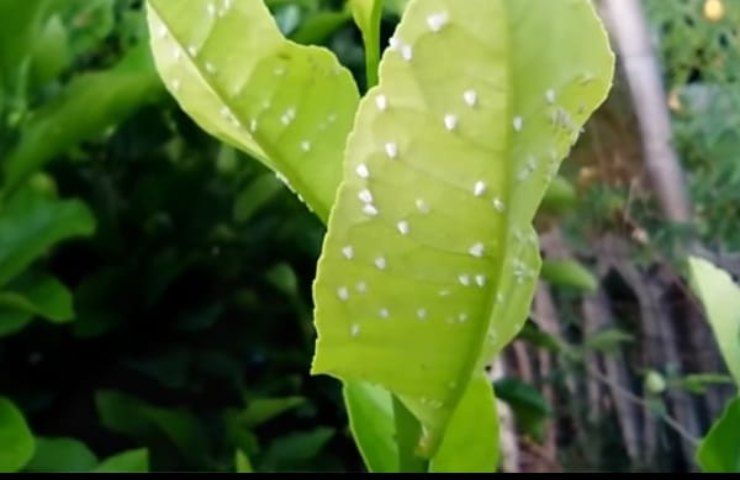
{"points": [[673, 423]]}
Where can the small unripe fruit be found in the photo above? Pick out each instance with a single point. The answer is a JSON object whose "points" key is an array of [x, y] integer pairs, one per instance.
{"points": [[714, 10]]}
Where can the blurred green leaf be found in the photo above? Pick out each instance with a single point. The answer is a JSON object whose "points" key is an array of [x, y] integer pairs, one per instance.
{"points": [[560, 197], [719, 452], [608, 340], [15, 437], [40, 295], [721, 298], [61, 455], [242, 463], [256, 196], [530, 407], [17, 37], [30, 224], [262, 410], [569, 274], [292, 451], [132, 417], [318, 27], [90, 21], [51, 53], [283, 277], [132, 461], [12, 321], [64, 123], [700, 382]]}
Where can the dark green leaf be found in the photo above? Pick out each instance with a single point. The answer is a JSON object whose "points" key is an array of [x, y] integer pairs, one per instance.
{"points": [[529, 406], [61, 455], [262, 410], [39, 295], [570, 274], [719, 452], [31, 224], [133, 461], [65, 122]]}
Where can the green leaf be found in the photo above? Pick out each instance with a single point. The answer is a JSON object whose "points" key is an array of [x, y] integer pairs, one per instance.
{"points": [[529, 406], [262, 410], [291, 451], [570, 274], [132, 417], [15, 437], [256, 196], [30, 224], [560, 197], [132, 461], [61, 455], [700, 382], [90, 22], [317, 28], [408, 431], [471, 443], [40, 295], [721, 298], [609, 340], [65, 122], [371, 419], [18, 37], [242, 463], [367, 15], [430, 247], [719, 452], [13, 321], [51, 53], [230, 68]]}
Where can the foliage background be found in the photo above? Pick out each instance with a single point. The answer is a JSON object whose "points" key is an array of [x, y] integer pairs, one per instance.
{"points": [[181, 270]]}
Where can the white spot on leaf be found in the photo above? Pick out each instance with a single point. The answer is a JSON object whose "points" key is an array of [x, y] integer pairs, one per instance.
{"points": [[437, 21], [362, 171], [471, 98]]}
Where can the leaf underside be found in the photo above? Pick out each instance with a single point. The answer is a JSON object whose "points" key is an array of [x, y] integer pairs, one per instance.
{"points": [[288, 105], [430, 249]]}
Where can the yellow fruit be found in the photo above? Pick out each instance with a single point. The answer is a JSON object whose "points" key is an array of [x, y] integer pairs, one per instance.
{"points": [[714, 10]]}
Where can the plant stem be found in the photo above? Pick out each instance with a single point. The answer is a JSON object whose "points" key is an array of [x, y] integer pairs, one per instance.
{"points": [[371, 37]]}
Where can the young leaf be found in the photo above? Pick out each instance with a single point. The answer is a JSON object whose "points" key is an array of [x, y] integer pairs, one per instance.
{"points": [[445, 170], [367, 15], [721, 298], [719, 452], [230, 68], [15, 437]]}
